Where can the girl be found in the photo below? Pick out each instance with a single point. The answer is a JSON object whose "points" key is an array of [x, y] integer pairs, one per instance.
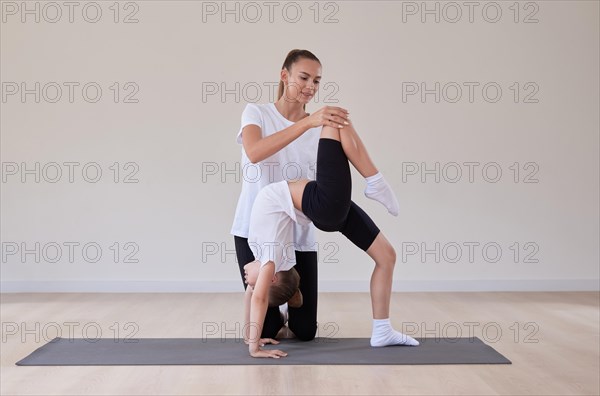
{"points": [[326, 202], [274, 136]]}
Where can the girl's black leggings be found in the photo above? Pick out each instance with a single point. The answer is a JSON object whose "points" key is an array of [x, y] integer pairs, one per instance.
{"points": [[326, 201]]}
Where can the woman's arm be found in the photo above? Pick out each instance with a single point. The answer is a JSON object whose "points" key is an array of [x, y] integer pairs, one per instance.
{"points": [[258, 308], [258, 148]]}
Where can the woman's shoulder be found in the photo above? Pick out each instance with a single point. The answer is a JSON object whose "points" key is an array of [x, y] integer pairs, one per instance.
{"points": [[259, 106], [258, 110]]}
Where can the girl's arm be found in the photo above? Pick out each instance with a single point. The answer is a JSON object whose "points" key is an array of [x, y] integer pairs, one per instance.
{"points": [[247, 301], [246, 328], [258, 309]]}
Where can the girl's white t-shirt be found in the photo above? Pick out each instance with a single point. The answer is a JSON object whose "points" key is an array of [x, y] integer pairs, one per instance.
{"points": [[271, 232], [295, 161]]}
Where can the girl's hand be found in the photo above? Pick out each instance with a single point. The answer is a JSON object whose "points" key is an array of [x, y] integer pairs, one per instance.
{"points": [[332, 116], [264, 341], [268, 353]]}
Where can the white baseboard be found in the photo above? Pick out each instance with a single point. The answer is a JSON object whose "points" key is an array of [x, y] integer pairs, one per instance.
{"points": [[230, 286]]}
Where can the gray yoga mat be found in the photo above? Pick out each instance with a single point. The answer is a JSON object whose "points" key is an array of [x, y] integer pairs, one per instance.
{"points": [[216, 351]]}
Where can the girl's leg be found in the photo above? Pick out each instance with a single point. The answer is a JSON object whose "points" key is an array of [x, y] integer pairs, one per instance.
{"points": [[326, 200], [384, 256], [326, 170], [360, 229], [273, 320], [377, 187], [297, 190], [303, 320], [353, 148], [355, 152]]}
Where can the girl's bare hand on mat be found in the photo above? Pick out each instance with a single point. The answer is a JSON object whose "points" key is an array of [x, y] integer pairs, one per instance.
{"points": [[268, 353], [264, 341]]}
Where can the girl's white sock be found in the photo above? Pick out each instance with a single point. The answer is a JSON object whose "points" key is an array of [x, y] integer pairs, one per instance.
{"points": [[385, 335], [379, 190]]}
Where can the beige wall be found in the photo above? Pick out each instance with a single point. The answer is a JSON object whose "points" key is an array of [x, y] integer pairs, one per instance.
{"points": [[177, 142]]}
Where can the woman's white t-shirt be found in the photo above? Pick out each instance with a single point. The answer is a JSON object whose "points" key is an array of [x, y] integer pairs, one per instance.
{"points": [[295, 161], [271, 233]]}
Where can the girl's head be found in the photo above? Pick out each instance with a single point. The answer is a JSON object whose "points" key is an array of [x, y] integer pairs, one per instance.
{"points": [[284, 285], [286, 289], [300, 77]]}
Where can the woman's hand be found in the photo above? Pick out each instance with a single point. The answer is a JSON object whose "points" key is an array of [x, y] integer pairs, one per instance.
{"points": [[332, 116], [268, 353]]}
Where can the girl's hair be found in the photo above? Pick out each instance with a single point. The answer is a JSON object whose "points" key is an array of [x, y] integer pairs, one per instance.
{"points": [[284, 288], [292, 57]]}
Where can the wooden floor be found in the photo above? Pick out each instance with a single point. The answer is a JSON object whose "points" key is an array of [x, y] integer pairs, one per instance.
{"points": [[551, 338]]}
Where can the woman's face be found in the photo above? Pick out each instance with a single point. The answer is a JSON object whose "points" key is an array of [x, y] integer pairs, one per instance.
{"points": [[302, 81]]}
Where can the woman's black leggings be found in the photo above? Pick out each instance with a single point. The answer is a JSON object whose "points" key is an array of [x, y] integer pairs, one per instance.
{"points": [[303, 320]]}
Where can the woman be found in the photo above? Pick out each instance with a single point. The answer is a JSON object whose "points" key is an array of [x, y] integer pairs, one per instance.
{"points": [[280, 138], [326, 202]]}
